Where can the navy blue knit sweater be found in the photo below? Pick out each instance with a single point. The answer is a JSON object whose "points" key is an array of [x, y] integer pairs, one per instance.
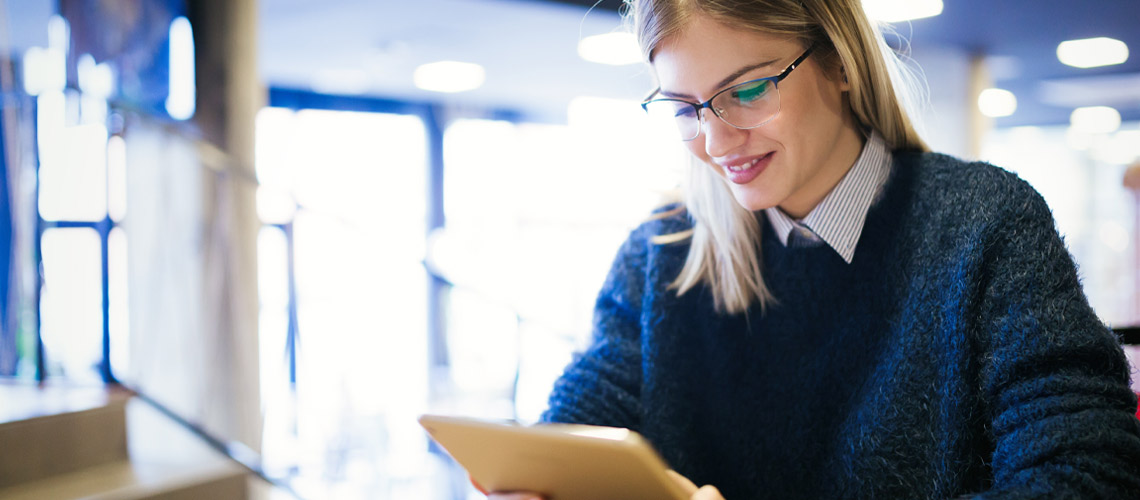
{"points": [[956, 355]]}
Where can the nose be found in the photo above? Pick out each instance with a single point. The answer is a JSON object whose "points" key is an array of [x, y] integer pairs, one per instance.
{"points": [[720, 137]]}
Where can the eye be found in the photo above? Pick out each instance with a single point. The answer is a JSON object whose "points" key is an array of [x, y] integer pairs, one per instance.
{"points": [[750, 92], [684, 111]]}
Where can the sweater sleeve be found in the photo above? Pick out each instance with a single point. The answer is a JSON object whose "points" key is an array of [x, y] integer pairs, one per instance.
{"points": [[1054, 376], [601, 386]]}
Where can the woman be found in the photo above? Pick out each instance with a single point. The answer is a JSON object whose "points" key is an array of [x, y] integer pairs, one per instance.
{"points": [[833, 311]]}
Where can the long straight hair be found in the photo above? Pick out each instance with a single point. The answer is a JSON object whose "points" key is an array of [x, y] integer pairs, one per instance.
{"points": [[724, 250]]}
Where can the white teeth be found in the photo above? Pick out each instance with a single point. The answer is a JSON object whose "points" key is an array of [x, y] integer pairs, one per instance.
{"points": [[741, 168]]}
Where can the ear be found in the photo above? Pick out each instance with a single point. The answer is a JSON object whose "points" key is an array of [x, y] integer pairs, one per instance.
{"points": [[843, 84]]}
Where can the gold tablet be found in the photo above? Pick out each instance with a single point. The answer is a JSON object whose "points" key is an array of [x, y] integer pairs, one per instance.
{"points": [[562, 462]]}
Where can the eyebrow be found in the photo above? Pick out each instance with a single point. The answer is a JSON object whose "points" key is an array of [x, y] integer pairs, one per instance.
{"points": [[727, 80]]}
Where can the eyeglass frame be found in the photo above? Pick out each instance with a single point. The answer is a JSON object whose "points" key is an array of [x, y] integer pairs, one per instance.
{"points": [[708, 104]]}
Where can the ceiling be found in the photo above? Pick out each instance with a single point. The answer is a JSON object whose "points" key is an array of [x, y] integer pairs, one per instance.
{"points": [[528, 47], [371, 47], [529, 50], [1019, 39]]}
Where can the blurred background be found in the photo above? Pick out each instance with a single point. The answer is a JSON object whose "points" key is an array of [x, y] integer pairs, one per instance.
{"points": [[298, 224]]}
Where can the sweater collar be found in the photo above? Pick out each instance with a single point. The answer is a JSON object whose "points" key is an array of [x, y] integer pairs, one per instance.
{"points": [[838, 219]]}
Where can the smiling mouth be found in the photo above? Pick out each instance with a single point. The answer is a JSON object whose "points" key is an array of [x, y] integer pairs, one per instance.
{"points": [[747, 166]]}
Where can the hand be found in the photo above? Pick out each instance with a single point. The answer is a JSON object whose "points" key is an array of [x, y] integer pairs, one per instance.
{"points": [[707, 492], [503, 495]]}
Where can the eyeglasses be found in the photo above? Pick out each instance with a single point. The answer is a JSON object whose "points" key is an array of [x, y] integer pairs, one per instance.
{"points": [[744, 105]]}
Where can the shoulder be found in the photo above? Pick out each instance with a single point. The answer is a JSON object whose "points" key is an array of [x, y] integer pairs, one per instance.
{"points": [[667, 219], [645, 264], [668, 222], [964, 191], [948, 176], [659, 244]]}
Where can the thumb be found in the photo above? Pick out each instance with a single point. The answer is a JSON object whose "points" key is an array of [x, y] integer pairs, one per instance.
{"points": [[682, 481], [708, 492]]}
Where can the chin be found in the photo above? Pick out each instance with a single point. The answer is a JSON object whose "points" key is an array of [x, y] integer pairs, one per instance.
{"points": [[752, 204]]}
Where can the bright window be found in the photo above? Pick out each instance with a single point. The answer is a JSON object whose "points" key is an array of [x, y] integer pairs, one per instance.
{"points": [[1080, 176], [73, 165], [535, 214], [352, 187], [71, 307]]}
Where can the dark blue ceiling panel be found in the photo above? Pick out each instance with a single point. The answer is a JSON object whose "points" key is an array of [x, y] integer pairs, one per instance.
{"points": [[1022, 35]]}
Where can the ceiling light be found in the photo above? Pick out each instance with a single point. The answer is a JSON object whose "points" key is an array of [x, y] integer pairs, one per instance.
{"points": [[996, 103], [1092, 52], [893, 11], [610, 48], [181, 96], [449, 76], [1095, 120]]}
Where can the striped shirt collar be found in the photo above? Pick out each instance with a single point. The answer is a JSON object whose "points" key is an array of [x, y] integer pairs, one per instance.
{"points": [[838, 219]]}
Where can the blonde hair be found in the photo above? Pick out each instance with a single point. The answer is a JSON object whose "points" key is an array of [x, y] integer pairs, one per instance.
{"points": [[724, 250]]}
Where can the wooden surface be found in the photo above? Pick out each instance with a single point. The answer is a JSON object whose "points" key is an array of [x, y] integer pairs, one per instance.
{"points": [[51, 436], [21, 401], [48, 431]]}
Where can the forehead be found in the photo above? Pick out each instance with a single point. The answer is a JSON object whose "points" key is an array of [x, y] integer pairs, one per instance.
{"points": [[706, 51]]}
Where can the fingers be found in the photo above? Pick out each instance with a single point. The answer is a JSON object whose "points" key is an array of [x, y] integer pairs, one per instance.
{"points": [[708, 492], [683, 482], [501, 495]]}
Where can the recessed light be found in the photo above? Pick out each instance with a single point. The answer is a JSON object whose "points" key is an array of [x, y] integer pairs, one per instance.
{"points": [[1095, 120], [1092, 52], [449, 76], [893, 11], [182, 94], [610, 48], [996, 103]]}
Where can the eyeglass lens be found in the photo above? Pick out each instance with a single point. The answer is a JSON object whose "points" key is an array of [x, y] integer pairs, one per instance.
{"points": [[747, 105]]}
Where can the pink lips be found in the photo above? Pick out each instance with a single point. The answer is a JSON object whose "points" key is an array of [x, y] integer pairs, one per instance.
{"points": [[744, 172]]}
